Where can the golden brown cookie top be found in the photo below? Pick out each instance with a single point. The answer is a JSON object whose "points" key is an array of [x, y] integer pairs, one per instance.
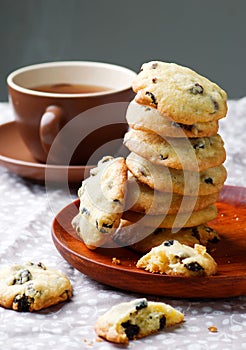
{"points": [[179, 93]]}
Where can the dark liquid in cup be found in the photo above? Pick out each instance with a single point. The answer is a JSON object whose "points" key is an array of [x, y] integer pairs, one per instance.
{"points": [[70, 88]]}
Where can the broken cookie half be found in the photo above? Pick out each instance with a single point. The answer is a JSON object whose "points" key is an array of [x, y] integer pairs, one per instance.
{"points": [[136, 319], [174, 258]]}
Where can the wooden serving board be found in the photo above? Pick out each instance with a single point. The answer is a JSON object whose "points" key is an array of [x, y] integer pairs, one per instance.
{"points": [[229, 253]]}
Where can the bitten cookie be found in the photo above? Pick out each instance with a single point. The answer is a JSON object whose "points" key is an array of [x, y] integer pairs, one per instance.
{"points": [[171, 220], [102, 198], [179, 93], [143, 199], [173, 258], [149, 119], [31, 287], [136, 319], [194, 154], [177, 181]]}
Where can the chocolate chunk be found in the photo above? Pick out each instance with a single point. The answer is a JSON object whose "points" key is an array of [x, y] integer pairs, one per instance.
{"points": [[176, 125], [24, 276], [199, 145], [104, 227], [41, 265], [168, 243], [208, 180], [162, 322], [215, 239], [130, 329], [194, 266], [152, 96], [85, 211], [154, 80], [154, 65], [162, 157], [116, 200], [143, 304], [105, 159], [183, 126], [196, 89], [216, 105], [147, 109], [195, 233], [107, 225], [22, 302], [178, 259], [144, 171]]}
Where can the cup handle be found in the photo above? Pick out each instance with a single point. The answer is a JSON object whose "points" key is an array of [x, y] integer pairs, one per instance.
{"points": [[50, 126]]}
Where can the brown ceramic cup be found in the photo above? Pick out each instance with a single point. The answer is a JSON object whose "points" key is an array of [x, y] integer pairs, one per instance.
{"points": [[41, 115]]}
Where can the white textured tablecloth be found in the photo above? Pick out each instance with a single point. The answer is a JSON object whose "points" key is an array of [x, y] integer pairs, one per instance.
{"points": [[25, 225]]}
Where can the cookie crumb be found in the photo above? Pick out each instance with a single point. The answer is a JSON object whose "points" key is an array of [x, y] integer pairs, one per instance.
{"points": [[116, 261], [213, 329]]}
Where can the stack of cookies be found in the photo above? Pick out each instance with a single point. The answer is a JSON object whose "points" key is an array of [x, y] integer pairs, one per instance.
{"points": [[166, 188], [176, 157]]}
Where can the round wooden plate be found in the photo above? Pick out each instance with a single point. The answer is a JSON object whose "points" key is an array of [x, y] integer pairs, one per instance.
{"points": [[230, 254]]}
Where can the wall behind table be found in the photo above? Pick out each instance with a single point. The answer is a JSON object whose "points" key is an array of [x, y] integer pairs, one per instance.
{"points": [[208, 36]]}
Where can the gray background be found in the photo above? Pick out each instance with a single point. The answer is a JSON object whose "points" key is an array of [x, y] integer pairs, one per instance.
{"points": [[208, 36]]}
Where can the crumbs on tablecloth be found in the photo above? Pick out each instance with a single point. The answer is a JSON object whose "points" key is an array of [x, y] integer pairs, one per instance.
{"points": [[213, 329]]}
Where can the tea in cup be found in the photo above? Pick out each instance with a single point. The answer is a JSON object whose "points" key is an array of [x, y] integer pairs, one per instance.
{"points": [[63, 100]]}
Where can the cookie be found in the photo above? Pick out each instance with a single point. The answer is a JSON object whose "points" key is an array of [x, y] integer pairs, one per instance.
{"points": [[142, 238], [102, 198], [148, 119], [90, 235], [176, 259], [31, 287], [181, 182], [136, 319], [142, 199], [190, 236], [194, 154], [179, 93], [171, 220]]}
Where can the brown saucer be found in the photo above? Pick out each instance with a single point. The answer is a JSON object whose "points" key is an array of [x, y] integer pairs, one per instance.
{"points": [[15, 156]]}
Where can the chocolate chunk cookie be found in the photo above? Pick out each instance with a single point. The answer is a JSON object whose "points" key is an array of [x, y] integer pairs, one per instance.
{"points": [[136, 319], [143, 199], [171, 220], [149, 119], [190, 236], [142, 238], [102, 198], [165, 179], [194, 154], [174, 258], [31, 287], [179, 93]]}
